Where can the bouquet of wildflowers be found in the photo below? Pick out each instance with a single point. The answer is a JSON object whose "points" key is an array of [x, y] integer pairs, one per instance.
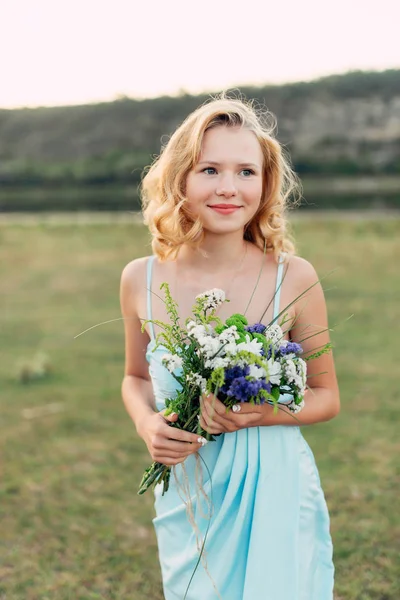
{"points": [[235, 361]]}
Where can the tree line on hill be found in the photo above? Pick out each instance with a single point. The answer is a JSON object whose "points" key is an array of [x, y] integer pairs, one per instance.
{"points": [[347, 125]]}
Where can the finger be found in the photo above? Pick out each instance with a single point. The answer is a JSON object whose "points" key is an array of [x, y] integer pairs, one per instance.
{"points": [[211, 416], [171, 418], [212, 430], [208, 408], [246, 408], [231, 421], [210, 427], [181, 435], [183, 452], [214, 403], [163, 444], [166, 453]]}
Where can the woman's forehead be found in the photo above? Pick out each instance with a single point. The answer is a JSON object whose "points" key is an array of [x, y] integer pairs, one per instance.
{"points": [[231, 144]]}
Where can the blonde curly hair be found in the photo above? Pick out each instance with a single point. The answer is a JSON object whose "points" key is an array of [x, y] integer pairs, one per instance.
{"points": [[163, 186]]}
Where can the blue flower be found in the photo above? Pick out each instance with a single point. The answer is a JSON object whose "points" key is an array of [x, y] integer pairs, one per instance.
{"points": [[232, 374], [269, 352], [242, 389], [237, 371], [256, 328], [291, 347]]}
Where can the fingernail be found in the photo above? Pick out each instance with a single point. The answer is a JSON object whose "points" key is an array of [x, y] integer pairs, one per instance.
{"points": [[236, 408], [202, 441], [173, 414]]}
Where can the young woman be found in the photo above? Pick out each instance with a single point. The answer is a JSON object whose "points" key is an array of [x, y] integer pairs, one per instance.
{"points": [[216, 195]]}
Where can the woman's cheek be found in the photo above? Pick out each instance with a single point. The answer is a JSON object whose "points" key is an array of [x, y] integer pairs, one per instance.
{"points": [[192, 208]]}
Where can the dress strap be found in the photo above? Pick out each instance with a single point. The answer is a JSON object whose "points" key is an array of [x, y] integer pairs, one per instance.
{"points": [[278, 284], [150, 263]]}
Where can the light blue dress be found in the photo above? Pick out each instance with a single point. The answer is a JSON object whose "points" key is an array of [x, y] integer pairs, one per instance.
{"points": [[269, 534]]}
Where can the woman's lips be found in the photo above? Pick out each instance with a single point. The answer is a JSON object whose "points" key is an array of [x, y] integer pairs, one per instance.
{"points": [[225, 209]]}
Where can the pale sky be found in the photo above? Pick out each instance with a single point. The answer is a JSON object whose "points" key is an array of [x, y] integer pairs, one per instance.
{"points": [[56, 52]]}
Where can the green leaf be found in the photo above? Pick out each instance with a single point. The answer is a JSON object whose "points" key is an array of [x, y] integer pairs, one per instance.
{"points": [[275, 392]]}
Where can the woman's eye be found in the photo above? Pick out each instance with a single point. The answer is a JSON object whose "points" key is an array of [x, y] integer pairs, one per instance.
{"points": [[246, 171]]}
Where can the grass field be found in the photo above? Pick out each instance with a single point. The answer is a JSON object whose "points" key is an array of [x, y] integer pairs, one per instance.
{"points": [[72, 526]]}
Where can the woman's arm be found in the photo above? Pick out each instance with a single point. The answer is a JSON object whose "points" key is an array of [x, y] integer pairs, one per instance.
{"points": [[310, 329], [322, 400], [319, 405], [136, 389], [166, 445]]}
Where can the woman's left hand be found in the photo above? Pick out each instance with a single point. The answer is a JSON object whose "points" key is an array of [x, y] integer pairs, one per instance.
{"points": [[216, 418]]}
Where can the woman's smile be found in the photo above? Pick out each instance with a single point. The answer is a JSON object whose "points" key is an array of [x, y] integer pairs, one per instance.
{"points": [[225, 209]]}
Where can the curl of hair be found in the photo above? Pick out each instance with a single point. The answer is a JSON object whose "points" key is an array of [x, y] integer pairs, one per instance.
{"points": [[163, 186]]}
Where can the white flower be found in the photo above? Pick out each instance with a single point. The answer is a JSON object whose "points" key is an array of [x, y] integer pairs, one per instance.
{"points": [[172, 362], [295, 408], [296, 372], [209, 346], [212, 298], [289, 369], [257, 372], [197, 331], [215, 363], [229, 335], [301, 368], [230, 349], [197, 380], [274, 333], [274, 371], [227, 340], [253, 346]]}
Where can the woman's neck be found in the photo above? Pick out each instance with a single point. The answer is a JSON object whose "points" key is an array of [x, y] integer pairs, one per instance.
{"points": [[216, 253]]}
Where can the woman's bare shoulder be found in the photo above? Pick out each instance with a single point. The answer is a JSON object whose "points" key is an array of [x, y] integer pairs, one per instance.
{"points": [[134, 273], [300, 271]]}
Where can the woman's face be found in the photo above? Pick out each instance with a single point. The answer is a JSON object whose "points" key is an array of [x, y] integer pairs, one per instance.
{"points": [[224, 189]]}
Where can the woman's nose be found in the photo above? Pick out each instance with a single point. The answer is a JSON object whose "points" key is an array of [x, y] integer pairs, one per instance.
{"points": [[226, 186]]}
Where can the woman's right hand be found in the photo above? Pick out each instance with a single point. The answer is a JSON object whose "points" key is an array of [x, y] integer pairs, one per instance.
{"points": [[168, 445]]}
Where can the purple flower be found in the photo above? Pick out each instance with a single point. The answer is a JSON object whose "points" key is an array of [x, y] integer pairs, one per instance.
{"points": [[236, 371], [243, 390], [256, 328], [231, 374], [291, 347], [268, 354]]}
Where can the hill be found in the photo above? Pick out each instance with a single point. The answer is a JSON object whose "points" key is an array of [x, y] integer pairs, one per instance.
{"points": [[339, 125], [352, 118]]}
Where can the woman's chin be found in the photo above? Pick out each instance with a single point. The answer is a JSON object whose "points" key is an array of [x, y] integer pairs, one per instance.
{"points": [[223, 228]]}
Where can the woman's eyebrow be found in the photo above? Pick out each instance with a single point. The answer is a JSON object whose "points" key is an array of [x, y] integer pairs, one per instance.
{"points": [[217, 164]]}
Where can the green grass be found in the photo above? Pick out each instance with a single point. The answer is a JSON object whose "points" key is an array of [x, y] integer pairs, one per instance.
{"points": [[72, 526]]}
